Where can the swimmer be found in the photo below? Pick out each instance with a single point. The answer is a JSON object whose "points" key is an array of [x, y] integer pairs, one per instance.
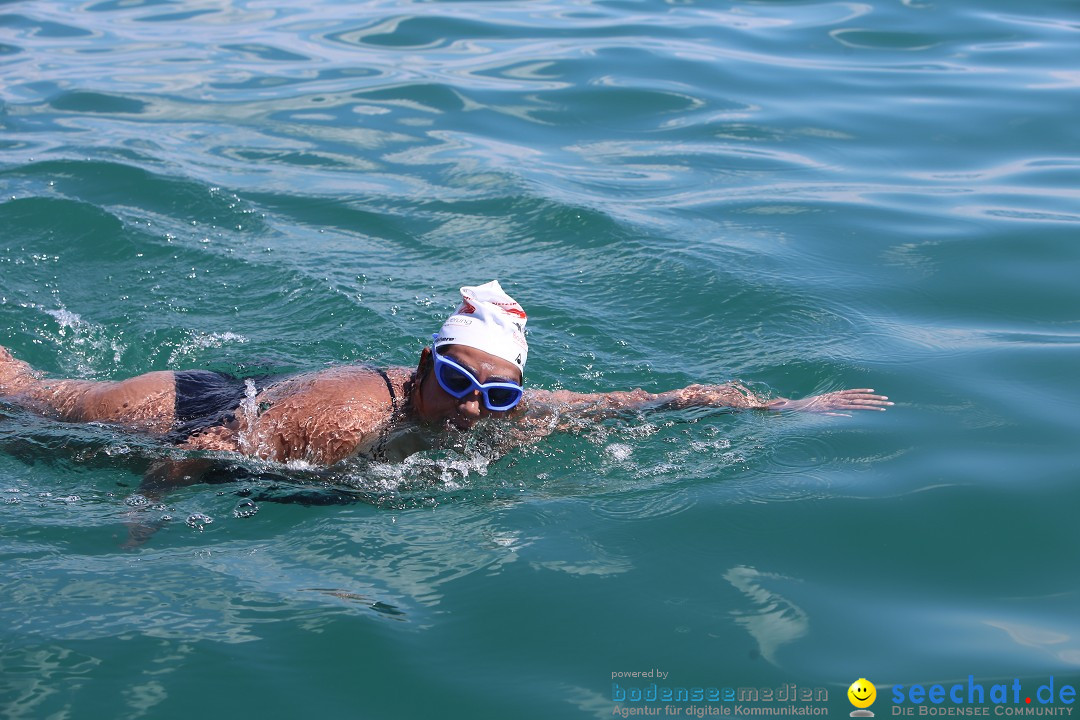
{"points": [[473, 370]]}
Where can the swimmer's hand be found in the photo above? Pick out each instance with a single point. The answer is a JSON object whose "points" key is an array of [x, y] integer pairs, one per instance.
{"points": [[835, 403]]}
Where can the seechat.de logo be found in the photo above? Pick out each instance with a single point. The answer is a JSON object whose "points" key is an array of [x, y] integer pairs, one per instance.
{"points": [[862, 695]]}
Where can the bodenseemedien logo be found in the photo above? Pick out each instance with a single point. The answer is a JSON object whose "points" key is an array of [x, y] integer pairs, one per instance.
{"points": [[862, 694]]}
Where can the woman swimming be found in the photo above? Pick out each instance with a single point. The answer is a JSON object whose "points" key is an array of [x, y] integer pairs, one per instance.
{"points": [[472, 370]]}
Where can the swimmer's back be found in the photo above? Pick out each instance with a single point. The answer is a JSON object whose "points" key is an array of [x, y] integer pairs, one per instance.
{"points": [[321, 417]]}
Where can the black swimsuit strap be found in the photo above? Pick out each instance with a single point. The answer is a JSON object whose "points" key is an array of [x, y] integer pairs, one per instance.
{"points": [[378, 452], [389, 387]]}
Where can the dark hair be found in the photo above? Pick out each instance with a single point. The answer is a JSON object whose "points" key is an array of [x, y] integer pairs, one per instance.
{"points": [[423, 368]]}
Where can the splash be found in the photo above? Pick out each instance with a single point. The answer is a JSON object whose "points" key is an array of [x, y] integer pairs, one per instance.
{"points": [[246, 436], [87, 344], [188, 349]]}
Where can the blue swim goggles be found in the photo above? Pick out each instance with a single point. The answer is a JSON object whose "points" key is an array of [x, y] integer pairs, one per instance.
{"points": [[459, 382]]}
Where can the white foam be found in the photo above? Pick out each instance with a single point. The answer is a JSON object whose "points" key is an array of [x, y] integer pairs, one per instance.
{"points": [[202, 341], [246, 438], [65, 317]]}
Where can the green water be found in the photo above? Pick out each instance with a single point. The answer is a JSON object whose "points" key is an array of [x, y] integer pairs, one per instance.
{"points": [[803, 195]]}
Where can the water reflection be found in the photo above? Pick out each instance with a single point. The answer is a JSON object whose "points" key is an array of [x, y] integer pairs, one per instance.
{"points": [[773, 621], [1059, 645]]}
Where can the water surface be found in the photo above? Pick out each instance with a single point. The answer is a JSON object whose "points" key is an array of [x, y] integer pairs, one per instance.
{"points": [[803, 195]]}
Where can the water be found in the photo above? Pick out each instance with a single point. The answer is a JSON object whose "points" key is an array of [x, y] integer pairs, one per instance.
{"points": [[803, 195]]}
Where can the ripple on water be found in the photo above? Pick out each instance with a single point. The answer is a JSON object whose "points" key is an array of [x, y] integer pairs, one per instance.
{"points": [[92, 102], [259, 51], [877, 40], [642, 505], [798, 454], [30, 28]]}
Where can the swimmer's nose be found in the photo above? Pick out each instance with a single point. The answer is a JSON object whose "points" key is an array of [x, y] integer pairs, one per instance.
{"points": [[470, 406]]}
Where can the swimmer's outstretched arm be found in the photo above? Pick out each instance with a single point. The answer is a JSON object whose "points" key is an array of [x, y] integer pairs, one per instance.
{"points": [[732, 396]]}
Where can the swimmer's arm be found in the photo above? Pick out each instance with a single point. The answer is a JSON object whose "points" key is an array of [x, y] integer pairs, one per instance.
{"points": [[598, 406], [731, 396]]}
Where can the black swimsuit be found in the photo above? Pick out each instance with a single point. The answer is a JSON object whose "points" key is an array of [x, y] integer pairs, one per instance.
{"points": [[206, 399]]}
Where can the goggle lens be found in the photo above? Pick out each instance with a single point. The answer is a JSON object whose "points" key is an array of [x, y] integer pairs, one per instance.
{"points": [[503, 397], [455, 381]]}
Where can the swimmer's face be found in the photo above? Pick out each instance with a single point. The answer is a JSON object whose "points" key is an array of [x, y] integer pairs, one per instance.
{"points": [[862, 693], [435, 405]]}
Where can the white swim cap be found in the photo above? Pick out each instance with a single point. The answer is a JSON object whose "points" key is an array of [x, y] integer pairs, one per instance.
{"points": [[490, 320]]}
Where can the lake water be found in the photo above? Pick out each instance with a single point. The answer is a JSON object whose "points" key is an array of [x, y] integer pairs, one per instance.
{"points": [[805, 195]]}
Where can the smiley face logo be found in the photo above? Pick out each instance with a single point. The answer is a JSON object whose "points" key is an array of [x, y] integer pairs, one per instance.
{"points": [[862, 695]]}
